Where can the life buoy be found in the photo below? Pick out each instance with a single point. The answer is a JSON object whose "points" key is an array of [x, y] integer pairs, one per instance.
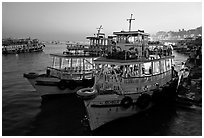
{"points": [[87, 93], [31, 75], [143, 101], [126, 102], [62, 84]]}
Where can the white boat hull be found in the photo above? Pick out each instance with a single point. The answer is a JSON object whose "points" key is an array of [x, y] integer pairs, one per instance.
{"points": [[49, 89], [106, 108]]}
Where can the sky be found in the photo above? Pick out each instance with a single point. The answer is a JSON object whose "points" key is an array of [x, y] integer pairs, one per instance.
{"points": [[73, 21]]}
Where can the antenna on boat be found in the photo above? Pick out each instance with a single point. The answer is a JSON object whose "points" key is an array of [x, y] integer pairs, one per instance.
{"points": [[99, 29], [130, 22]]}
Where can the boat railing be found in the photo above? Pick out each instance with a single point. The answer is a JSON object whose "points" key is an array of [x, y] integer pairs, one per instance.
{"points": [[133, 53], [85, 53], [73, 70], [69, 74], [123, 55]]}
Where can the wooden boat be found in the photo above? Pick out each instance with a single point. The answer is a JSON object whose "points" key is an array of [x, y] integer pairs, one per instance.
{"points": [[129, 79], [16, 46], [70, 70]]}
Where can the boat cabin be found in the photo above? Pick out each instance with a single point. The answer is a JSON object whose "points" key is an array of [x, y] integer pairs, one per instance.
{"points": [[133, 66], [21, 45], [99, 43], [125, 77], [131, 41], [72, 66], [135, 45]]}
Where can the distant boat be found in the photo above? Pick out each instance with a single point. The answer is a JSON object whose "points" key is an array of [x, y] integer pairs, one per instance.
{"points": [[129, 79], [16, 46]]}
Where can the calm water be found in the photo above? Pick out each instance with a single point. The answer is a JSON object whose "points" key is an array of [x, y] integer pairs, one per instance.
{"points": [[23, 113]]}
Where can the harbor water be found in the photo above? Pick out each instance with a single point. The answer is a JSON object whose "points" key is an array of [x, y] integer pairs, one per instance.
{"points": [[23, 112]]}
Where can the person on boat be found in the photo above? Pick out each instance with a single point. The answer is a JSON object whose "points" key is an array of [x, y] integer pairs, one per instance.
{"points": [[174, 72]]}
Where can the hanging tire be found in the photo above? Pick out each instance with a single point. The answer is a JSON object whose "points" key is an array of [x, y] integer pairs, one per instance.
{"points": [[31, 75], [126, 102], [72, 85], [87, 93], [62, 84], [143, 101]]}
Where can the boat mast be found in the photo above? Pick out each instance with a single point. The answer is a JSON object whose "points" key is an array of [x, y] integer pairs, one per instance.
{"points": [[99, 29], [130, 22]]}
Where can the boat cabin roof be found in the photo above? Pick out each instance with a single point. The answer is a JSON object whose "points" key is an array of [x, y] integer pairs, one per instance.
{"points": [[59, 55], [98, 36], [95, 37], [132, 33], [77, 48]]}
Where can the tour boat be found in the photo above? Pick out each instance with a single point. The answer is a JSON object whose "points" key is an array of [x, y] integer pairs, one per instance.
{"points": [[16, 46], [71, 69], [129, 79]]}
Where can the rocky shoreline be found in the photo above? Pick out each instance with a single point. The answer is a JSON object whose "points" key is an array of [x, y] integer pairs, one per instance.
{"points": [[190, 88], [188, 45]]}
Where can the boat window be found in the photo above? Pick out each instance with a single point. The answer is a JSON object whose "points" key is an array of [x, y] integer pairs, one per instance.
{"points": [[130, 39], [156, 67], [62, 63], [75, 64], [88, 64], [56, 63], [135, 70], [168, 64], [127, 71], [66, 64], [163, 66], [122, 39], [146, 68], [118, 70], [109, 75]]}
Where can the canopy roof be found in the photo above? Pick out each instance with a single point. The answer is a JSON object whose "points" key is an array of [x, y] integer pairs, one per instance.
{"points": [[133, 33], [59, 55]]}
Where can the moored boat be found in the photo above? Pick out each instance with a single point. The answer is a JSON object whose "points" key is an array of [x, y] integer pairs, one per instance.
{"points": [[129, 79], [16, 46], [71, 69]]}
